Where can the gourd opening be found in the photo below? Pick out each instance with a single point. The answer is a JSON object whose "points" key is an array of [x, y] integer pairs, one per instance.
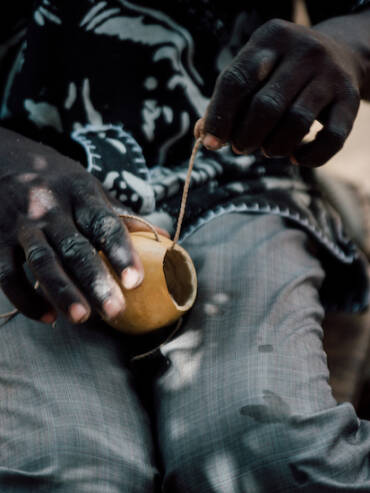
{"points": [[179, 276]]}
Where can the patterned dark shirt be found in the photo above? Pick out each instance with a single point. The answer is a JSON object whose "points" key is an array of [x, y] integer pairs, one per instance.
{"points": [[119, 84]]}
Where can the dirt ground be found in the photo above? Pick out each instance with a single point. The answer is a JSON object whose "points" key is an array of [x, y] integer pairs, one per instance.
{"points": [[353, 161]]}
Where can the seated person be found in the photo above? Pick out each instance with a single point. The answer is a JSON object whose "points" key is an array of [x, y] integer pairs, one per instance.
{"points": [[98, 105]]}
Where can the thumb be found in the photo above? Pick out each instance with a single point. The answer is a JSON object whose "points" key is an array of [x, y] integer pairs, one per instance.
{"points": [[209, 141]]}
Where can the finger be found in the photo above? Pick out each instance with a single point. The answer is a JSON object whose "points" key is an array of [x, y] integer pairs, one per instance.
{"points": [[19, 291], [337, 127], [55, 283], [235, 86], [297, 121], [85, 267], [108, 233], [268, 106]]}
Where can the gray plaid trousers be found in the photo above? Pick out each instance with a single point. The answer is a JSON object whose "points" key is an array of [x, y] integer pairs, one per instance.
{"points": [[237, 401]]}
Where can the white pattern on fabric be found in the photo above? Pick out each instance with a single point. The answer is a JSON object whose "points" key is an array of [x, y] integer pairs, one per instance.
{"points": [[44, 114], [154, 29], [122, 80], [44, 13]]}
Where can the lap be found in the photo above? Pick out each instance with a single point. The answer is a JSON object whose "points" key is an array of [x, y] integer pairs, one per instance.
{"points": [[237, 409], [248, 363], [70, 418], [257, 319]]}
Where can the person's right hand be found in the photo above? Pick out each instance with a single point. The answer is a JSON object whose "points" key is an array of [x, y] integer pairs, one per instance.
{"points": [[56, 217]]}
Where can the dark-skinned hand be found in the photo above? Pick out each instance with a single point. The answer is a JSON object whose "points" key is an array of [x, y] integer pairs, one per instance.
{"points": [[56, 217], [286, 77]]}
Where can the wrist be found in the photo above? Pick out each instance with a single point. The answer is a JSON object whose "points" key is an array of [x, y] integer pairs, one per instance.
{"points": [[351, 33]]}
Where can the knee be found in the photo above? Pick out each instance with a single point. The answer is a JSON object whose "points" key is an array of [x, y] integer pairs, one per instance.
{"points": [[257, 449], [76, 458], [226, 450]]}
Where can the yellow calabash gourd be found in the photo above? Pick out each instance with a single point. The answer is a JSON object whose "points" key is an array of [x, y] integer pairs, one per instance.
{"points": [[169, 287], [168, 290]]}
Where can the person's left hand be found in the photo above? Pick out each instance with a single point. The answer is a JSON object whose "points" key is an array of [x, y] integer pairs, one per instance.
{"points": [[286, 77]]}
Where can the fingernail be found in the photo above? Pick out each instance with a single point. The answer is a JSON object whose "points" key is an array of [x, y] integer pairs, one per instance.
{"points": [[265, 153], [294, 161], [236, 151], [131, 278], [48, 318], [78, 313], [212, 143], [113, 307]]}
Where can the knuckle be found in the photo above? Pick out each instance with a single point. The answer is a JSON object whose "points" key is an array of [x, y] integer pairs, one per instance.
{"points": [[314, 48], [351, 93], [81, 183], [276, 26], [101, 225], [84, 190], [74, 248], [39, 256], [105, 226], [270, 103], [301, 117], [82, 260], [88, 216], [233, 79], [83, 218], [337, 136]]}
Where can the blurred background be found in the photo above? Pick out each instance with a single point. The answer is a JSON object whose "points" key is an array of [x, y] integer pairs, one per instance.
{"points": [[353, 162]]}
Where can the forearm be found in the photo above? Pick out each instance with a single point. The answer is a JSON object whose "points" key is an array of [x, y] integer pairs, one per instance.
{"points": [[353, 30]]}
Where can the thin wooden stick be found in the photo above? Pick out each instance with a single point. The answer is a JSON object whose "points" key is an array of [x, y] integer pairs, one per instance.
{"points": [[185, 192]]}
